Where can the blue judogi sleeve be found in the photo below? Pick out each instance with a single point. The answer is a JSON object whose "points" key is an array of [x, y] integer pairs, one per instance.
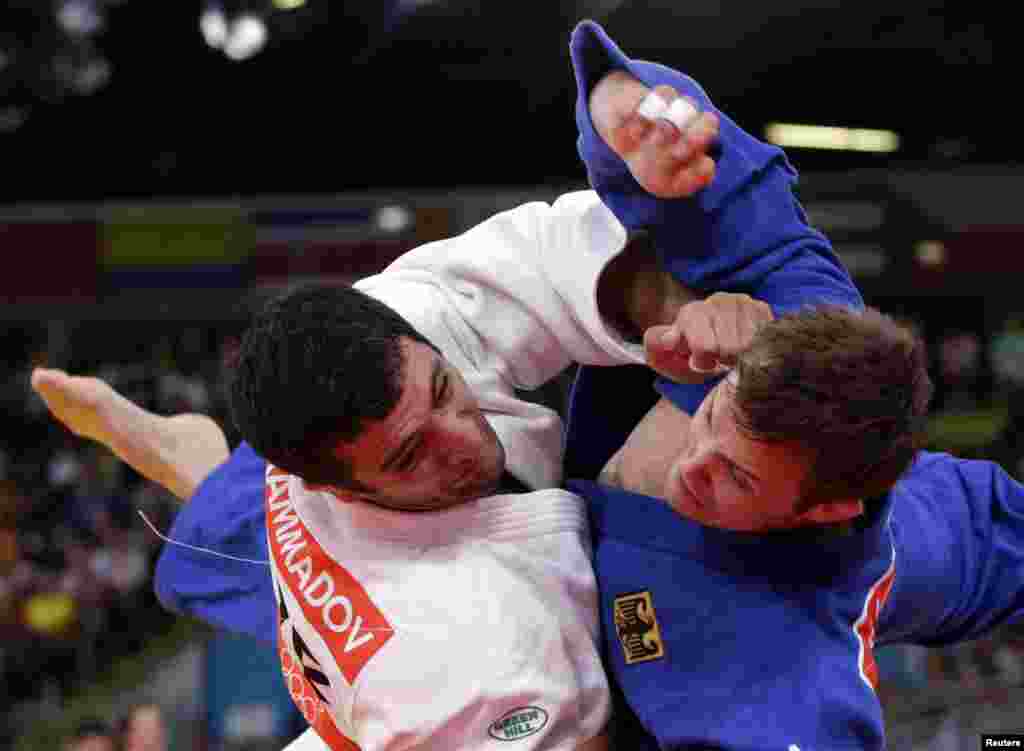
{"points": [[746, 232], [958, 531], [225, 515], [734, 235]]}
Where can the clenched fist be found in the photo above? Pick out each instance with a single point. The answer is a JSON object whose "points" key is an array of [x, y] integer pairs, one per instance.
{"points": [[660, 136], [706, 338]]}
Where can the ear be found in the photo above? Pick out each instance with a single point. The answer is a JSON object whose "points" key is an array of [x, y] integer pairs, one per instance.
{"points": [[832, 512]]}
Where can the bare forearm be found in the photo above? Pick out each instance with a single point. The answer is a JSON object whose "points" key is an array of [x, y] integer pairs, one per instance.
{"points": [[176, 452], [635, 293]]}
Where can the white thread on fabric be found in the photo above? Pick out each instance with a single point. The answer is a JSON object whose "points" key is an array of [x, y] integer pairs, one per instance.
{"points": [[198, 549]]}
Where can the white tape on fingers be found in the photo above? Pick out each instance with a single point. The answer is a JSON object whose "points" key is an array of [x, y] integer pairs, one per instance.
{"points": [[680, 113], [652, 107]]}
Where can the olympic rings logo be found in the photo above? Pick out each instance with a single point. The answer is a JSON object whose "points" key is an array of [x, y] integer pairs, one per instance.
{"points": [[307, 703]]}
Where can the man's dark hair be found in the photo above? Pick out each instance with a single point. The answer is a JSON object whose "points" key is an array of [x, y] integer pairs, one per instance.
{"points": [[852, 387], [315, 365]]}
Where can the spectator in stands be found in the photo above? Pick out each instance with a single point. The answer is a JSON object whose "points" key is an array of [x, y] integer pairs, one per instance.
{"points": [[960, 372], [142, 728], [92, 734], [8, 560]]}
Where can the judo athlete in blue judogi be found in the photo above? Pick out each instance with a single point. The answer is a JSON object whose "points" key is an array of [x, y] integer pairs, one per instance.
{"points": [[758, 641]]}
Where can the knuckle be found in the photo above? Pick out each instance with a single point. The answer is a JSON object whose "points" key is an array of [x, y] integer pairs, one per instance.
{"points": [[666, 92]]}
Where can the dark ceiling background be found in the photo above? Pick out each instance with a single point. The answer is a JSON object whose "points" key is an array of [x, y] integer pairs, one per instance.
{"points": [[374, 94]]}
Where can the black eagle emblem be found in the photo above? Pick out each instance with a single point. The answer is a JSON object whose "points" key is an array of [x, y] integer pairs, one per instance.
{"points": [[311, 671], [636, 625]]}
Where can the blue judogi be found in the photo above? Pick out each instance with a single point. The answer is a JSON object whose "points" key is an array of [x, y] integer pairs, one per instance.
{"points": [[766, 641], [225, 515], [762, 641], [738, 641]]}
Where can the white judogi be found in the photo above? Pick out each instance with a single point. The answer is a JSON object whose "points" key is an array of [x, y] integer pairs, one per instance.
{"points": [[477, 625]]}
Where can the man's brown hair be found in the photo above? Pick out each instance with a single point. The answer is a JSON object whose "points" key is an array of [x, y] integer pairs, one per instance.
{"points": [[850, 386]]}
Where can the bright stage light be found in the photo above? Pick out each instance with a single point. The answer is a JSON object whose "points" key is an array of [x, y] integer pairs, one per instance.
{"points": [[839, 139], [238, 31], [214, 26], [394, 218], [248, 35], [80, 17]]}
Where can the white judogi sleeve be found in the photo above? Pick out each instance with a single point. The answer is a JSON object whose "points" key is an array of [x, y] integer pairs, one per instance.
{"points": [[511, 303], [457, 630]]}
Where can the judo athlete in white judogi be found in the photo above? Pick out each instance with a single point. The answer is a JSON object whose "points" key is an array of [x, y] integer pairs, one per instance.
{"points": [[477, 623]]}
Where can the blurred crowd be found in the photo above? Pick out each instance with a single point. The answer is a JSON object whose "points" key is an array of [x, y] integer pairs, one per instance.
{"points": [[76, 559], [139, 728]]}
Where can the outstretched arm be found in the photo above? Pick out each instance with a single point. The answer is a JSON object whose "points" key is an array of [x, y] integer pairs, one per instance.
{"points": [[744, 232], [219, 572], [735, 234], [965, 575], [176, 452]]}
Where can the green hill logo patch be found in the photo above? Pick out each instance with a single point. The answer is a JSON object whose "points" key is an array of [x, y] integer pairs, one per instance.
{"points": [[518, 723]]}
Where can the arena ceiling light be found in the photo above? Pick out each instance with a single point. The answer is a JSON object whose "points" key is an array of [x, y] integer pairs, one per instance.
{"points": [[239, 31], [394, 218], [247, 36], [789, 135], [213, 24], [80, 17], [49, 52]]}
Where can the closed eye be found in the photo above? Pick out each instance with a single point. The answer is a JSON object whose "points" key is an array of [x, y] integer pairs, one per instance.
{"points": [[409, 461], [739, 479], [445, 392], [442, 393]]}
